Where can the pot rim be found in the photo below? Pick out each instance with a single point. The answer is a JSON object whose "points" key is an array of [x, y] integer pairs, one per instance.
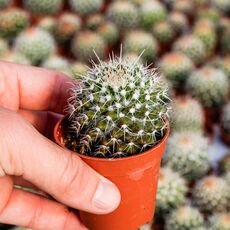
{"points": [[57, 140]]}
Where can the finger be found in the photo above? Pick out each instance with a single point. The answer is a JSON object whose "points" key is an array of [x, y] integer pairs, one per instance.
{"points": [[25, 152], [43, 121], [29, 210], [32, 88]]}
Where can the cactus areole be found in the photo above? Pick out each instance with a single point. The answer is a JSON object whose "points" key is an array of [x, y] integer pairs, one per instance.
{"points": [[118, 125]]}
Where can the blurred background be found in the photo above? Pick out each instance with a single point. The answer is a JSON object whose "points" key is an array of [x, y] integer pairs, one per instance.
{"points": [[188, 41]]}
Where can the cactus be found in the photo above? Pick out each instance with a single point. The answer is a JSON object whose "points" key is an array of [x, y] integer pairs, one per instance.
{"points": [[43, 7], [178, 21], [205, 32], [47, 23], [79, 70], [94, 21], [86, 7], [35, 44], [12, 22], [5, 3], [163, 32], [187, 114], [119, 111], [224, 64], [220, 221], [3, 47], [209, 85], [227, 177], [225, 41], [222, 5], [171, 192], [224, 165], [109, 32], [15, 57], [185, 218], [56, 62], [67, 25], [210, 13], [225, 119], [187, 153], [176, 67], [124, 14], [86, 43], [133, 57], [211, 194], [151, 12], [184, 6], [138, 42], [192, 47]]}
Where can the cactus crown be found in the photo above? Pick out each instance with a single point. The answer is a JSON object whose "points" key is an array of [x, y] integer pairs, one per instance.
{"points": [[118, 111]]}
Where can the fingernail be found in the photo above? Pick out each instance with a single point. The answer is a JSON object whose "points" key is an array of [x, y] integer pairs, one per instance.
{"points": [[107, 196]]}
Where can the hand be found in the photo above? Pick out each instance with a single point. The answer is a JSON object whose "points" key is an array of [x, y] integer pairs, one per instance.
{"points": [[31, 100]]}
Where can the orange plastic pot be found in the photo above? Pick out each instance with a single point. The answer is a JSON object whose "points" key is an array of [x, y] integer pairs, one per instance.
{"points": [[135, 176]]}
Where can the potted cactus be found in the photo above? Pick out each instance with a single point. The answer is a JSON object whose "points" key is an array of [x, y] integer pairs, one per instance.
{"points": [[118, 124]]}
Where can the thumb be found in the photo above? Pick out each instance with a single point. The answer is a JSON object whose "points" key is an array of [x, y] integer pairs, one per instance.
{"points": [[25, 152]]}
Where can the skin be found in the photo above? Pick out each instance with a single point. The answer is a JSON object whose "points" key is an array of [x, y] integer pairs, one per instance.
{"points": [[31, 101]]}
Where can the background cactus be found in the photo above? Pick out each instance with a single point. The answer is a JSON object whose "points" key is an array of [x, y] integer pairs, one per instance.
{"points": [[209, 85], [220, 221], [119, 111], [186, 218], [12, 22], [211, 194], [3, 47], [86, 43], [43, 7], [94, 21], [151, 12], [222, 5], [225, 42], [16, 57], [35, 44], [141, 42], [86, 7], [225, 119], [187, 114], [184, 6], [79, 70], [56, 62], [224, 164], [124, 14], [176, 67], [169, 183], [5, 3], [47, 23], [192, 47], [109, 32], [181, 155], [224, 64]]}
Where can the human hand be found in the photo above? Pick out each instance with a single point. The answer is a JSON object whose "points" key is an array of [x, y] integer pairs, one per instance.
{"points": [[31, 100]]}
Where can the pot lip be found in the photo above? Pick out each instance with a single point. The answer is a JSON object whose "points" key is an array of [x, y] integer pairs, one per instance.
{"points": [[111, 159]]}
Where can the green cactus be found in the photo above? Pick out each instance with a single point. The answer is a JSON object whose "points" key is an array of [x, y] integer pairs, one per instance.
{"points": [[171, 183], [210, 13], [94, 21], [56, 62], [227, 177], [187, 114], [185, 218], [225, 119], [124, 14], [163, 32], [86, 7], [138, 42], [86, 43], [109, 32], [36, 44], [211, 194], [5, 3], [176, 67], [67, 25], [15, 57], [209, 85], [133, 57], [43, 7], [220, 221], [178, 21], [151, 12], [205, 32], [222, 5], [184, 6], [119, 111], [47, 23], [224, 165], [225, 41], [181, 155], [191, 46], [3, 47], [200, 3], [79, 70], [12, 22]]}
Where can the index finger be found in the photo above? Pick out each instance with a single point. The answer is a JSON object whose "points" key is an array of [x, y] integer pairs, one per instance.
{"points": [[32, 88]]}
